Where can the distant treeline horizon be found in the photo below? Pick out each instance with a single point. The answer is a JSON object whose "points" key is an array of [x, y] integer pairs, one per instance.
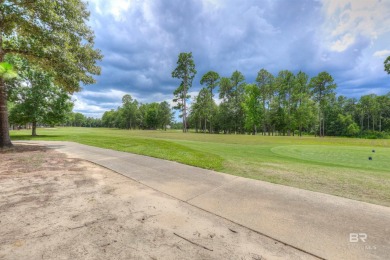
{"points": [[282, 104]]}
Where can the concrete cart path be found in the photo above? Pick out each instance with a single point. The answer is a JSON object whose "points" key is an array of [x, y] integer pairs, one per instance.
{"points": [[326, 226]]}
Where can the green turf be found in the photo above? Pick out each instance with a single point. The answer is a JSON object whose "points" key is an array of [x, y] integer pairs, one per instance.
{"points": [[337, 166], [348, 156]]}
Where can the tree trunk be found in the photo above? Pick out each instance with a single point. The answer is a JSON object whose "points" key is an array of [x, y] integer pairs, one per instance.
{"points": [[185, 118], [34, 129], [211, 110], [319, 121], [184, 123], [5, 140], [185, 105], [264, 118]]}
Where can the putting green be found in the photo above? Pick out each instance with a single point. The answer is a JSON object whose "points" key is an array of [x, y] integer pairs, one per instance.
{"points": [[349, 156]]}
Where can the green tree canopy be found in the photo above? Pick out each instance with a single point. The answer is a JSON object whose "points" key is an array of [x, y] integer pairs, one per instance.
{"points": [[265, 83], [165, 115], [387, 65], [252, 107], [322, 89], [52, 35], [185, 71], [7, 71], [36, 98], [211, 80]]}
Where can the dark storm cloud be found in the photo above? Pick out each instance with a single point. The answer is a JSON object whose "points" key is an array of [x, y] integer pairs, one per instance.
{"points": [[141, 40]]}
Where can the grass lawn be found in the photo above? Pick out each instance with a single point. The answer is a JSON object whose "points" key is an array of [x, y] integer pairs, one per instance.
{"points": [[337, 166]]}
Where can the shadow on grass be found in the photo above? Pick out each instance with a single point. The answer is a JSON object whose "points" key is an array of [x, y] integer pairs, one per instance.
{"points": [[38, 137]]}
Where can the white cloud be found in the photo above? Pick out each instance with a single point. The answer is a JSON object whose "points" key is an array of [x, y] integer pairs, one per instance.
{"points": [[343, 43], [382, 53], [116, 8], [82, 105], [155, 97], [347, 20], [213, 2], [94, 104], [111, 94]]}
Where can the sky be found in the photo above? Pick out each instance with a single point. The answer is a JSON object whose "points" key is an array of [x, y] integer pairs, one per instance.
{"points": [[141, 41]]}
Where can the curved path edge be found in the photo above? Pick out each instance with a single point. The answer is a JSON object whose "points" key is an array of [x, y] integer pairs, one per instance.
{"points": [[321, 225]]}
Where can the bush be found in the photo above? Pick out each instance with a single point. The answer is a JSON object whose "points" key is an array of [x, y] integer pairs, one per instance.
{"points": [[353, 129], [369, 134]]}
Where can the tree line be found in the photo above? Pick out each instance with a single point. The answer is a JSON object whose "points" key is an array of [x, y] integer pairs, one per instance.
{"points": [[282, 104], [135, 115]]}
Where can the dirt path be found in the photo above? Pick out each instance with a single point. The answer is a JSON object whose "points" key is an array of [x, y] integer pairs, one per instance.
{"points": [[54, 207]]}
